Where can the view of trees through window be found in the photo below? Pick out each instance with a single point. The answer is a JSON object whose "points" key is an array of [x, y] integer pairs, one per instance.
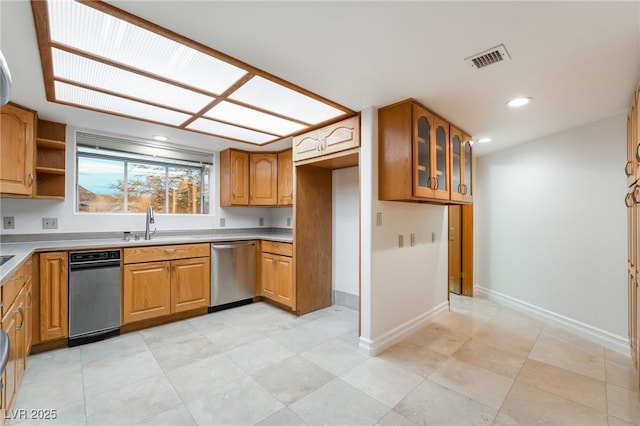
{"points": [[107, 182]]}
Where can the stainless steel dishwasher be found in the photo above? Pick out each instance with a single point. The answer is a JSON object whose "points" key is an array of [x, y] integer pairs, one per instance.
{"points": [[94, 295], [233, 274]]}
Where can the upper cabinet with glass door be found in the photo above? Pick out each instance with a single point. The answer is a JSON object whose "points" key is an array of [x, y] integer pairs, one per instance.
{"points": [[460, 148], [414, 155]]}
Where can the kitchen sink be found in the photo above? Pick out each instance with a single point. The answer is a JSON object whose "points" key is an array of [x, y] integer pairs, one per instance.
{"points": [[5, 259]]}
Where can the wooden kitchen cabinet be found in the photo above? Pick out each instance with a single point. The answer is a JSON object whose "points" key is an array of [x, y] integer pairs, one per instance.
{"points": [[17, 140], [190, 284], [414, 154], [164, 280], [146, 291], [54, 296], [632, 201], [334, 138], [263, 179], [256, 179], [285, 178], [234, 178], [10, 375], [276, 273], [16, 322], [461, 149]]}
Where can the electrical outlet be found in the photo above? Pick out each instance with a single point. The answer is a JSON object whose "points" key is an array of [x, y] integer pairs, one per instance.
{"points": [[49, 223], [8, 222], [379, 219], [400, 240], [433, 237], [413, 240], [261, 221], [223, 222], [288, 221]]}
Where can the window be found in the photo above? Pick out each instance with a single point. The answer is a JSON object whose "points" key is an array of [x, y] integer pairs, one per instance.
{"points": [[113, 176]]}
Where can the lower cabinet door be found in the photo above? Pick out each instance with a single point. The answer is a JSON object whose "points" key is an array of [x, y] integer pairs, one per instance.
{"points": [[9, 377], [284, 281], [268, 276], [190, 284], [146, 291], [54, 296]]}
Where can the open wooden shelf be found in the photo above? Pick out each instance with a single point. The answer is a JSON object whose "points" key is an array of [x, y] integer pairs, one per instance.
{"points": [[50, 143], [50, 170], [50, 160]]}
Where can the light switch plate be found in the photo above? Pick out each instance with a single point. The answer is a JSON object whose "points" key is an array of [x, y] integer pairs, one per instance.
{"points": [[8, 222], [379, 219], [49, 223], [288, 221], [433, 237], [223, 222], [413, 240]]}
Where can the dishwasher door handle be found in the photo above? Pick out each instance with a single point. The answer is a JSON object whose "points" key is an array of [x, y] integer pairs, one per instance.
{"points": [[232, 245]]}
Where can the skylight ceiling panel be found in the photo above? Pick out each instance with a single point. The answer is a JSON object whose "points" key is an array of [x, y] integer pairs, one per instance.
{"points": [[247, 117], [275, 97], [116, 105], [229, 131], [93, 31], [97, 74]]}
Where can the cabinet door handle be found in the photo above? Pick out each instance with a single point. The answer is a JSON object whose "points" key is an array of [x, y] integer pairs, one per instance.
{"points": [[21, 312], [18, 277], [635, 195], [638, 152], [628, 169], [170, 250], [627, 201], [30, 179], [30, 300]]}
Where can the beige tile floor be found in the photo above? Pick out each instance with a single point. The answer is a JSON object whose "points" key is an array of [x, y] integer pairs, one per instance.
{"points": [[478, 364]]}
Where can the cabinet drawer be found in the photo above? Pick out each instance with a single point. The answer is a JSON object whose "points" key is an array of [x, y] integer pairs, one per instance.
{"points": [[284, 249], [156, 253], [11, 288]]}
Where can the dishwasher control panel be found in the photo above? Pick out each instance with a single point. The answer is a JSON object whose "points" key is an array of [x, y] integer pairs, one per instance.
{"points": [[93, 256]]}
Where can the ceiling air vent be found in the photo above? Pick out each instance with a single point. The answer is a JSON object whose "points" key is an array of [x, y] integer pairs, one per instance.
{"points": [[488, 57]]}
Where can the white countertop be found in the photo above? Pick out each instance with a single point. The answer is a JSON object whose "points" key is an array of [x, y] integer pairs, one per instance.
{"points": [[21, 250]]}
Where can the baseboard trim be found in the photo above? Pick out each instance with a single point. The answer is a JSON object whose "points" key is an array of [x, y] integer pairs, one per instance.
{"points": [[609, 340], [373, 347]]}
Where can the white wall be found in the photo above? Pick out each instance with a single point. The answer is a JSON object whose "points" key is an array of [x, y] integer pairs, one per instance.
{"points": [[346, 233], [28, 213], [550, 225], [402, 288]]}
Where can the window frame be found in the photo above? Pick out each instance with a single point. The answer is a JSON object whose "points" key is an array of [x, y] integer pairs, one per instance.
{"points": [[114, 154]]}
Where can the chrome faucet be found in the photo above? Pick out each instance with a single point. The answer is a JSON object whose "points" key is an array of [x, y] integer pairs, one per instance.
{"points": [[150, 220]]}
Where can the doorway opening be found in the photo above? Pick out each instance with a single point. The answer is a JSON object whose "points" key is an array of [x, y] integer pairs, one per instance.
{"points": [[461, 249]]}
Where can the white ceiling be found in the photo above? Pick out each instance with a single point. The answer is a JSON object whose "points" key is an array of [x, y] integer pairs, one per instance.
{"points": [[580, 61]]}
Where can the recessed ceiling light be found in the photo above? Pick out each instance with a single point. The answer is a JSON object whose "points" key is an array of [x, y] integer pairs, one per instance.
{"points": [[517, 102], [484, 140], [160, 138]]}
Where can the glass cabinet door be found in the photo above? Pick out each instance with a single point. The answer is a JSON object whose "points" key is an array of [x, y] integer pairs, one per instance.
{"points": [[456, 163], [467, 151], [440, 179], [422, 157]]}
